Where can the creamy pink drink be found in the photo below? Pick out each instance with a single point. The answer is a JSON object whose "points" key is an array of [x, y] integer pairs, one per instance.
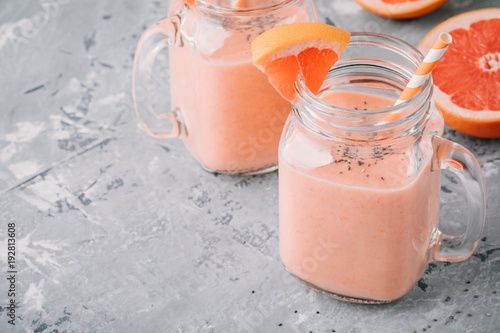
{"points": [[357, 222], [232, 115], [359, 178], [222, 107]]}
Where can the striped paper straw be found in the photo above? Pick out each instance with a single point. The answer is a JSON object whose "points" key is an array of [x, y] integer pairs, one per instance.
{"points": [[426, 66]]}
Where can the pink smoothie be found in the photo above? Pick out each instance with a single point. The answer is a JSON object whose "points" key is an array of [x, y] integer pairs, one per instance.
{"points": [[357, 226], [233, 116]]}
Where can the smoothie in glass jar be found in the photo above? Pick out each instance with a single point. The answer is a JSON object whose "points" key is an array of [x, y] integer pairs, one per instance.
{"points": [[361, 226], [359, 178], [222, 107]]}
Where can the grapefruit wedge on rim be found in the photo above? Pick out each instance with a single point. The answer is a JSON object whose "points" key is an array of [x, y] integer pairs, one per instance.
{"points": [[310, 48], [401, 9], [467, 78]]}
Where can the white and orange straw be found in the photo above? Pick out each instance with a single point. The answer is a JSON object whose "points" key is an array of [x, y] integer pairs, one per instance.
{"points": [[426, 66]]}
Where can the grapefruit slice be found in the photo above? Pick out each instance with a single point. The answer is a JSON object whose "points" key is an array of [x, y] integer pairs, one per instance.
{"points": [[467, 78], [310, 48], [401, 9]]}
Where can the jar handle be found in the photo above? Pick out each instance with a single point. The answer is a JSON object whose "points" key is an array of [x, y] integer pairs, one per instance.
{"points": [[152, 41], [457, 159]]}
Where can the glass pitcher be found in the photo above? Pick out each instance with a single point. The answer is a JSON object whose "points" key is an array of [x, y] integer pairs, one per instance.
{"points": [[223, 108], [359, 178]]}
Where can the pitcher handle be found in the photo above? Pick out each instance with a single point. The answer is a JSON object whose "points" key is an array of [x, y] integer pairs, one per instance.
{"points": [[152, 41], [461, 162]]}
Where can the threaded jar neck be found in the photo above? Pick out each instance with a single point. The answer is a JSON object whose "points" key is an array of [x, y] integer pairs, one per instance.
{"points": [[373, 66]]}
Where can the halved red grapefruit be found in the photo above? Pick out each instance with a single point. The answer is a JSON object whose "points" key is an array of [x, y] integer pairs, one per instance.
{"points": [[467, 78], [401, 9]]}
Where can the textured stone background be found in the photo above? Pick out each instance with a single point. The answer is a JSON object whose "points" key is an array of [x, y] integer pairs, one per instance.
{"points": [[119, 232]]}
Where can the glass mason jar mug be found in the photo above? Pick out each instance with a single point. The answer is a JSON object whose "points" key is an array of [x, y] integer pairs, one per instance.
{"points": [[359, 178], [226, 112]]}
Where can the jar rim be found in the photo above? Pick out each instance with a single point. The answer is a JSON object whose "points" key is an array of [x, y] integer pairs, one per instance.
{"points": [[233, 9], [331, 112]]}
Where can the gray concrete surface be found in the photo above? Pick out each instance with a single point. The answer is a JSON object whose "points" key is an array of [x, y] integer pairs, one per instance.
{"points": [[119, 232]]}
